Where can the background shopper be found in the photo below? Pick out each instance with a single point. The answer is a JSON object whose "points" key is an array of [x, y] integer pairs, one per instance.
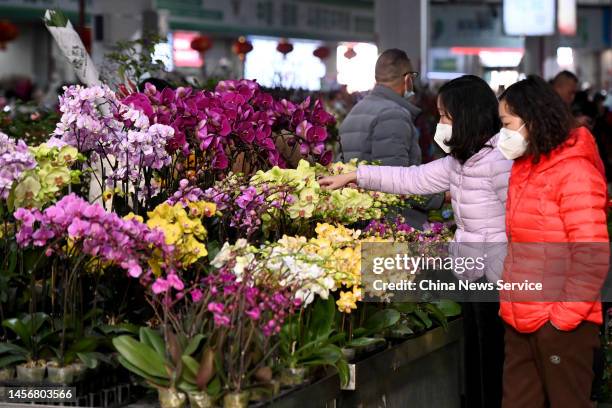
{"points": [[380, 128]]}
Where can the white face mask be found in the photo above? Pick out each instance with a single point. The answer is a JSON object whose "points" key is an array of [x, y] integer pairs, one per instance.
{"points": [[512, 143], [409, 94], [443, 134]]}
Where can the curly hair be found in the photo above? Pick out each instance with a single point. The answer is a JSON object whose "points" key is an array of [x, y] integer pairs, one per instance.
{"points": [[472, 106], [547, 118]]}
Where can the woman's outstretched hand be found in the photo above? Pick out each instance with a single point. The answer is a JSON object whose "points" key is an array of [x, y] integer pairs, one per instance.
{"points": [[339, 181]]}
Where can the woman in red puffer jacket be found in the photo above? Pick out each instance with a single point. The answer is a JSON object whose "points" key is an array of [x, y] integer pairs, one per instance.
{"points": [[556, 226]]}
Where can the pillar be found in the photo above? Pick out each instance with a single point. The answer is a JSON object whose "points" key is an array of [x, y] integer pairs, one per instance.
{"points": [[121, 21], [404, 24], [541, 56], [331, 65]]}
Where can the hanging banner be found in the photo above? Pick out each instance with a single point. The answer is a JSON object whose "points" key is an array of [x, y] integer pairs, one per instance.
{"points": [[72, 47]]}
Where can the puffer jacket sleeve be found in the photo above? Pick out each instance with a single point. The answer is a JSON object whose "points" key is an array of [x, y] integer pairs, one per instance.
{"points": [[582, 203], [394, 139], [430, 178], [500, 175]]}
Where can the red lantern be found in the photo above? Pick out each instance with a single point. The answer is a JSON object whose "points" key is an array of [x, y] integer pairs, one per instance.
{"points": [[8, 32], [350, 53], [284, 47], [242, 47], [201, 43], [322, 52]]}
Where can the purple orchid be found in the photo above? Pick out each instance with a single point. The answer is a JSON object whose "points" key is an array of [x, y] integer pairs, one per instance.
{"points": [[15, 159], [128, 244]]}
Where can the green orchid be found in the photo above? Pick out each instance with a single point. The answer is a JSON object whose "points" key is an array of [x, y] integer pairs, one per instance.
{"points": [[49, 178], [67, 155], [26, 191], [54, 179]]}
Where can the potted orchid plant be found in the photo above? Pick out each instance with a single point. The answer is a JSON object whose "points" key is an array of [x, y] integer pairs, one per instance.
{"points": [[79, 237], [309, 340], [280, 202], [15, 161], [123, 151], [178, 299], [32, 346], [172, 366], [238, 127], [247, 318]]}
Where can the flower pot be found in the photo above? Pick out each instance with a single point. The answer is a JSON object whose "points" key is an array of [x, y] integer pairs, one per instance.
{"points": [[236, 400], [290, 377], [29, 373], [275, 386], [60, 375], [259, 394], [349, 353], [200, 399], [266, 391], [7, 373], [169, 398], [79, 371]]}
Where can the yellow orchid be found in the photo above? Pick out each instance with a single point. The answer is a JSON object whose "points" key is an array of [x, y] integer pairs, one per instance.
{"points": [[347, 302], [182, 228], [132, 216]]}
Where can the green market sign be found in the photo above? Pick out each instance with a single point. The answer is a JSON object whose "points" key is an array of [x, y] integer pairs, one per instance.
{"points": [[334, 20], [33, 10]]}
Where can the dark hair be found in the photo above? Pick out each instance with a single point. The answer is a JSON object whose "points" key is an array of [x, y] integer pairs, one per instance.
{"points": [[160, 84], [599, 97], [391, 65], [472, 106], [564, 76], [547, 118], [583, 105]]}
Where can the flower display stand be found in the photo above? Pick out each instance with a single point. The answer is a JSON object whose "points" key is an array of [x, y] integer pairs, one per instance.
{"points": [[420, 372], [424, 371]]}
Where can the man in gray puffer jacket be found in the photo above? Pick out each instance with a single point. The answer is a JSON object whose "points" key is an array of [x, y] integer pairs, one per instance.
{"points": [[381, 126]]}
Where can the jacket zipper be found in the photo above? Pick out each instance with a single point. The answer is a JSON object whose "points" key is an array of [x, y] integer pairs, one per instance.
{"points": [[516, 202], [459, 196]]}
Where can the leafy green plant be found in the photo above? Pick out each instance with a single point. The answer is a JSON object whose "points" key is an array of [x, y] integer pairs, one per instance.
{"points": [[310, 339], [56, 19], [34, 335], [171, 365], [80, 349], [375, 324], [28, 122], [417, 317], [132, 61]]}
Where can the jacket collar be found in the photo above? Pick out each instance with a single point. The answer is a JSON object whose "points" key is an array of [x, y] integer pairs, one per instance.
{"points": [[580, 143], [491, 144], [388, 93]]}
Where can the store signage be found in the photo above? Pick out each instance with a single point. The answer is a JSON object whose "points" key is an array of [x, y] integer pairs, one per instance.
{"points": [[66, 5], [469, 26], [281, 18], [529, 17]]}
